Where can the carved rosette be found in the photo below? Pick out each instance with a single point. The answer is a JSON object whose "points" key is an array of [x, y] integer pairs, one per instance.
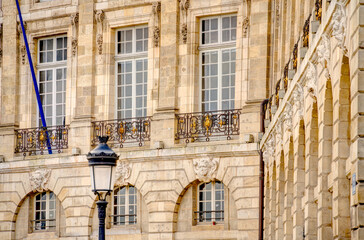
{"points": [[339, 25], [245, 27], [122, 174], [184, 5], [311, 80], [99, 17], [74, 23], [156, 9], [205, 168], [39, 179], [323, 54]]}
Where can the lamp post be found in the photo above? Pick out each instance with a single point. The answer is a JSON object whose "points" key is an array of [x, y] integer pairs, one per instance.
{"points": [[102, 161]]}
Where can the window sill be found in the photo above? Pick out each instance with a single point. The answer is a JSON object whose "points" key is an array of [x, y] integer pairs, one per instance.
{"points": [[43, 234], [208, 227]]}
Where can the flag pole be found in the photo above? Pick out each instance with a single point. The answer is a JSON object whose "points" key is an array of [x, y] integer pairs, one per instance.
{"points": [[34, 78]]}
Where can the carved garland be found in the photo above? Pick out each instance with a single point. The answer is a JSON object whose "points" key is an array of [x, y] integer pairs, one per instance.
{"points": [[245, 27], [323, 54], [311, 80], [74, 24], [183, 6], [156, 9], [99, 17], [23, 51]]}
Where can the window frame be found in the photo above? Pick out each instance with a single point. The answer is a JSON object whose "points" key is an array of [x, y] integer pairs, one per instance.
{"points": [[126, 206], [219, 47], [213, 204], [133, 57], [54, 65], [47, 210]]}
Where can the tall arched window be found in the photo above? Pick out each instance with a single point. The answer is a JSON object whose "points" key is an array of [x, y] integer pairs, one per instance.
{"points": [[45, 211], [211, 202], [125, 206]]}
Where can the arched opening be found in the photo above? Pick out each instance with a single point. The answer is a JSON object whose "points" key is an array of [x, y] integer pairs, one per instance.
{"points": [[205, 206], [289, 187], [40, 215], [280, 197]]}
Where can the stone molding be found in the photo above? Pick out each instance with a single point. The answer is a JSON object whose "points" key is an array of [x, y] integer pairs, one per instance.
{"points": [[39, 179], [205, 168], [122, 174]]}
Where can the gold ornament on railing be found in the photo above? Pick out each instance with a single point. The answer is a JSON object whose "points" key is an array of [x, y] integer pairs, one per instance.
{"points": [[134, 130], [193, 125], [207, 125], [121, 131], [41, 138]]}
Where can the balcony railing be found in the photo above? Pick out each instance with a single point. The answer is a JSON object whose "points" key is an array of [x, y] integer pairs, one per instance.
{"points": [[194, 126], [208, 216], [43, 224], [121, 131], [39, 140]]}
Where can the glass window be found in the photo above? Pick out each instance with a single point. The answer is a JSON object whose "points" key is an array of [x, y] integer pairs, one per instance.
{"points": [[211, 202], [218, 63], [125, 206], [132, 72], [52, 72], [45, 211]]}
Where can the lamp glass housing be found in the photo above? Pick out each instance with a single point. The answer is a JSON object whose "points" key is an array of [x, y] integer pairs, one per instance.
{"points": [[101, 178]]}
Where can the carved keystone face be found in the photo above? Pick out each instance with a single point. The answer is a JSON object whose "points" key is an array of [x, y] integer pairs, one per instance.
{"points": [[203, 166]]}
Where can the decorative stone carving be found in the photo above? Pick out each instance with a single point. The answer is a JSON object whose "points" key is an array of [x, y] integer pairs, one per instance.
{"points": [[245, 27], [298, 100], [156, 9], [311, 80], [339, 24], [278, 132], [287, 116], [74, 24], [277, 12], [269, 148], [323, 54], [122, 173], [205, 168], [99, 17], [39, 179], [23, 50], [183, 6]]}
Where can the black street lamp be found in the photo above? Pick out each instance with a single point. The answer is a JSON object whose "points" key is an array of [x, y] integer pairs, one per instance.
{"points": [[102, 161]]}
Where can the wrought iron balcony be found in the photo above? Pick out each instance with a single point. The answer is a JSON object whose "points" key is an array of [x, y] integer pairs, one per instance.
{"points": [[318, 10], [39, 140], [195, 126], [306, 33], [121, 131]]}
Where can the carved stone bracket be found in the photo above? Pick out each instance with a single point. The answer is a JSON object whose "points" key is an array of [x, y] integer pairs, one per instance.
{"points": [[39, 179], [156, 10], [245, 27], [122, 174], [23, 51], [339, 25], [183, 6], [323, 54], [99, 17], [311, 80], [278, 132], [205, 168], [74, 24]]}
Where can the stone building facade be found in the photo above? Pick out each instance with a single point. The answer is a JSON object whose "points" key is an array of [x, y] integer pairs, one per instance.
{"points": [[176, 84], [313, 142]]}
